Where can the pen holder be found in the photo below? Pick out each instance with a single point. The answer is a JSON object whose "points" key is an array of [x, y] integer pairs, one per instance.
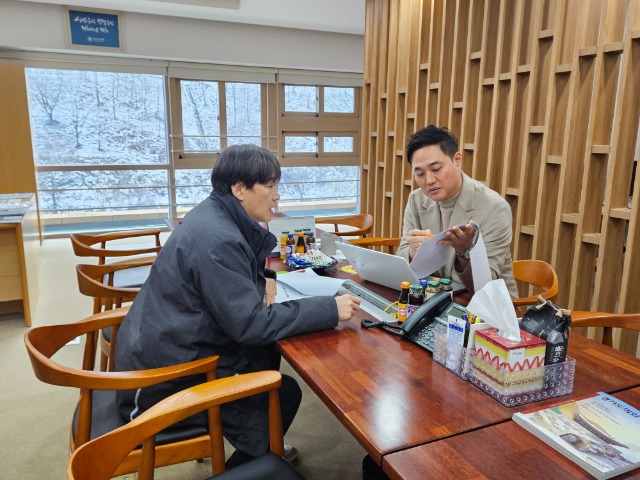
{"points": [[516, 388], [452, 355], [448, 354]]}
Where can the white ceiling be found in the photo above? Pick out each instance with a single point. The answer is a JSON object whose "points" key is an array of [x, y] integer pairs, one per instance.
{"points": [[341, 16]]}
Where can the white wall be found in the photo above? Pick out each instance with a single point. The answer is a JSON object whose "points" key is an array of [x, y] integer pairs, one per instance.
{"points": [[42, 27]]}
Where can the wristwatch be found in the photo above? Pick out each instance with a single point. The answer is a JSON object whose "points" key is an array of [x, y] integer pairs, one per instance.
{"points": [[466, 253]]}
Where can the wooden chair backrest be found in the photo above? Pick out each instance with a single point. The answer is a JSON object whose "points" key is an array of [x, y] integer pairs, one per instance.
{"points": [[85, 245], [91, 282], [608, 321], [539, 274], [391, 243], [363, 223], [43, 342], [98, 459]]}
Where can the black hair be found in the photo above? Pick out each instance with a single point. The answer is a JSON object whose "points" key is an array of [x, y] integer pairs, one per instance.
{"points": [[432, 135], [249, 164]]}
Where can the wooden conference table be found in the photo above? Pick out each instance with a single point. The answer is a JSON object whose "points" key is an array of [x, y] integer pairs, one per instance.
{"points": [[391, 395], [518, 455]]}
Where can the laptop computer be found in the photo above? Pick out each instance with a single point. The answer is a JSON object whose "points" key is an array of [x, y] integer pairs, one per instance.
{"points": [[383, 268]]}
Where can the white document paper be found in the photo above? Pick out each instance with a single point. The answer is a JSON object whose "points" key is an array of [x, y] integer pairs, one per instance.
{"points": [[306, 283], [431, 256]]}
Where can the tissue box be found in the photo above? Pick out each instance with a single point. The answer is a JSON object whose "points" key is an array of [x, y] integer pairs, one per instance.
{"points": [[509, 367]]}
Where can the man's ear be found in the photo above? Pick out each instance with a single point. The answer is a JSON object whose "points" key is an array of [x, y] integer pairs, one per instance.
{"points": [[457, 159], [237, 189]]}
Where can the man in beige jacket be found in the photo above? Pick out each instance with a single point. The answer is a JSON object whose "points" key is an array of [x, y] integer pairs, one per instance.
{"points": [[448, 200]]}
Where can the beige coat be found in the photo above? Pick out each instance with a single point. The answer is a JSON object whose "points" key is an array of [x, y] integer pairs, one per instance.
{"points": [[487, 208]]}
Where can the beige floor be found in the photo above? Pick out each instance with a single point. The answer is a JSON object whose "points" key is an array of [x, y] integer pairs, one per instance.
{"points": [[35, 416]]}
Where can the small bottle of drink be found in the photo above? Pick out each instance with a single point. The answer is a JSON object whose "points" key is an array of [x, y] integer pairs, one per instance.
{"points": [[403, 301]]}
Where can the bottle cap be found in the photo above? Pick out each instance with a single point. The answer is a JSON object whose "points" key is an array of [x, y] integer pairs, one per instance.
{"points": [[405, 284]]}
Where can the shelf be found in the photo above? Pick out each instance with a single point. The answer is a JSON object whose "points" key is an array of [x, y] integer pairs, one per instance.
{"points": [[601, 149], [555, 159], [384, 96], [635, 35], [513, 192], [381, 164], [546, 34], [411, 115], [389, 194], [536, 129], [528, 229], [399, 153], [374, 134], [614, 47], [408, 183], [424, 66], [365, 167], [434, 86], [489, 82], [402, 91], [475, 56], [469, 146], [588, 51], [524, 69], [593, 238], [458, 105], [566, 68], [391, 134], [572, 218], [505, 77], [623, 213]]}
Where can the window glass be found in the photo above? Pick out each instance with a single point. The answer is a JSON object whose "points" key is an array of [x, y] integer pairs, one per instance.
{"points": [[200, 115], [102, 190], [338, 144], [300, 99], [329, 189], [192, 186], [300, 144], [244, 122], [339, 100], [80, 117]]}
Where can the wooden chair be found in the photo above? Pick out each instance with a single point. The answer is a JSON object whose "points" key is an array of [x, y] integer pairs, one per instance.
{"points": [[99, 459], [97, 413], [86, 245], [391, 244], [608, 321], [97, 281], [363, 223], [539, 274], [98, 246]]}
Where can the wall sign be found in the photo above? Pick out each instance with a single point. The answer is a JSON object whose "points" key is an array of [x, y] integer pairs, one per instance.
{"points": [[94, 28]]}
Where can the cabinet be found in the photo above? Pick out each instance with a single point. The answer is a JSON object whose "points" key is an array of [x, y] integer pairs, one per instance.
{"points": [[19, 255]]}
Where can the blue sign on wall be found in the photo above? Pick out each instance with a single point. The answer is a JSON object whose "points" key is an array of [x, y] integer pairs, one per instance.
{"points": [[94, 29]]}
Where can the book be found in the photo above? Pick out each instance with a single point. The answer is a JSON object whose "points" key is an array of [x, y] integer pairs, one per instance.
{"points": [[598, 432]]}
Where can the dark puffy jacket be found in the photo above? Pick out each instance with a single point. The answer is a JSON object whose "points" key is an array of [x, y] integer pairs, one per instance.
{"points": [[205, 296]]}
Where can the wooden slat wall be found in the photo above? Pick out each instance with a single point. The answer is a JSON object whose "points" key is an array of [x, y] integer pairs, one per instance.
{"points": [[544, 96]]}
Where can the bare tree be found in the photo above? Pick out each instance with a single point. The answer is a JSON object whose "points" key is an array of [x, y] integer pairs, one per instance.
{"points": [[48, 92]]}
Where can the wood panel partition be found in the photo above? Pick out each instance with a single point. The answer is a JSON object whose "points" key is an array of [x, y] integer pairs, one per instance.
{"points": [[544, 96]]}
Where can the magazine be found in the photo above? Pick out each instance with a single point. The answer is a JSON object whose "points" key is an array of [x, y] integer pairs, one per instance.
{"points": [[598, 432]]}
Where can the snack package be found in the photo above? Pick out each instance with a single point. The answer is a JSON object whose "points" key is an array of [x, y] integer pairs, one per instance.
{"points": [[552, 324]]}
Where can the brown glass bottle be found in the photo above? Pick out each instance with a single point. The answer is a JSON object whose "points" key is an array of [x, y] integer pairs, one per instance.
{"points": [[403, 301]]}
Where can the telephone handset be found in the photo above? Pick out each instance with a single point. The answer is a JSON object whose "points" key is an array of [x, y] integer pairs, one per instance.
{"points": [[426, 313], [421, 324]]}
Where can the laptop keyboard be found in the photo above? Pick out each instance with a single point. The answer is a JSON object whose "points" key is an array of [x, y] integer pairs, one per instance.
{"points": [[372, 303]]}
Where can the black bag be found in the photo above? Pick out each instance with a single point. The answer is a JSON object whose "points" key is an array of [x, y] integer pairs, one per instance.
{"points": [[551, 323]]}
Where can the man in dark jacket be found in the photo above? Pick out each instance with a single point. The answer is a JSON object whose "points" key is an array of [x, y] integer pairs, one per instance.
{"points": [[209, 293]]}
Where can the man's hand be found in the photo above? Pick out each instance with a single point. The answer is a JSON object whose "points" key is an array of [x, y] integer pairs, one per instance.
{"points": [[462, 239], [270, 291], [415, 239], [347, 306]]}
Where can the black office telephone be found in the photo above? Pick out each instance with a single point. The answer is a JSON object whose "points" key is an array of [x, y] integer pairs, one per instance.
{"points": [[421, 324]]}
